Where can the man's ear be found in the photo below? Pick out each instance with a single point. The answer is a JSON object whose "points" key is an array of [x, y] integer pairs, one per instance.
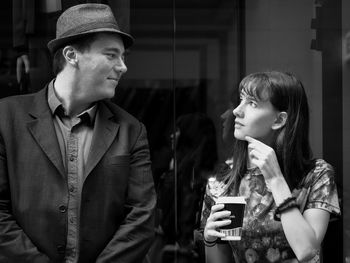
{"points": [[70, 54], [280, 120]]}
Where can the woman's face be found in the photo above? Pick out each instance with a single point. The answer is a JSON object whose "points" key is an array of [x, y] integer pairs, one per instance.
{"points": [[255, 118]]}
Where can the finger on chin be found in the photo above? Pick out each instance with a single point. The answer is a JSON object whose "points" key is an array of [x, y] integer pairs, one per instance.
{"points": [[248, 138]]}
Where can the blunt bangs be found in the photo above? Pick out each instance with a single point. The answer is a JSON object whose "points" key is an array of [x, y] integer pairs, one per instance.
{"points": [[256, 86]]}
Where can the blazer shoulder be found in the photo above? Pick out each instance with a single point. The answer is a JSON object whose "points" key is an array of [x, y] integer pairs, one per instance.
{"points": [[120, 114], [17, 102]]}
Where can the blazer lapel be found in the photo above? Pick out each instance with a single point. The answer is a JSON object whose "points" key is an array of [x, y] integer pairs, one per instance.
{"points": [[43, 130], [105, 131]]}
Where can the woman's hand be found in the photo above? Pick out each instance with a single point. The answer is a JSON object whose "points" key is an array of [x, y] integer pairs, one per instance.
{"points": [[264, 157], [216, 220]]}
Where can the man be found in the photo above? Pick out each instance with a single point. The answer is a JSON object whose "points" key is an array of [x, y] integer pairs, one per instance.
{"points": [[75, 175]]}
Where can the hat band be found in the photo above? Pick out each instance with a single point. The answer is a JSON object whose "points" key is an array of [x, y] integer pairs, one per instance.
{"points": [[89, 26]]}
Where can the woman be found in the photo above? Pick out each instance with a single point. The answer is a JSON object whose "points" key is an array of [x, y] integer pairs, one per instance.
{"points": [[289, 196]]}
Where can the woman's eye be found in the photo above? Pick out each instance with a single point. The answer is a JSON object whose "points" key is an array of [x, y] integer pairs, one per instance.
{"points": [[253, 103]]}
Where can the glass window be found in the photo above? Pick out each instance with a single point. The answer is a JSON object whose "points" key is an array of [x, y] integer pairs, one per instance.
{"points": [[181, 72]]}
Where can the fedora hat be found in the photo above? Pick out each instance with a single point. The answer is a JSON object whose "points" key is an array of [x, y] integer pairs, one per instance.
{"points": [[80, 20]]}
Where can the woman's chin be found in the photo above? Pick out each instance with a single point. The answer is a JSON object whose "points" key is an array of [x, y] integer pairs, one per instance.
{"points": [[239, 136]]}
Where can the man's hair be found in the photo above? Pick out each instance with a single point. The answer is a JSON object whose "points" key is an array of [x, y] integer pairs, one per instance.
{"points": [[82, 44]]}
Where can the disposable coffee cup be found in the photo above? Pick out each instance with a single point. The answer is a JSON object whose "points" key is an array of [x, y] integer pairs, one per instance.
{"points": [[235, 204]]}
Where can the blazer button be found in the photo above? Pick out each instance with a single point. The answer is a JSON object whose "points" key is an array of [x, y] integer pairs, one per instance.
{"points": [[61, 249], [62, 208]]}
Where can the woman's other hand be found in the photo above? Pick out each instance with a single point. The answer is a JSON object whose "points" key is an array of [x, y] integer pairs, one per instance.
{"points": [[216, 219]]}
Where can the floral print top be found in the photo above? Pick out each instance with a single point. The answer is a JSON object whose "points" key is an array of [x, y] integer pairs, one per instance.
{"points": [[263, 239]]}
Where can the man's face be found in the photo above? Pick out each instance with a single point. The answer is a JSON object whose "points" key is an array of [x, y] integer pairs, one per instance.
{"points": [[100, 68]]}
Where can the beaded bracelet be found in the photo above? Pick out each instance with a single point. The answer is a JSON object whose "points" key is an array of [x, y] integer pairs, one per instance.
{"points": [[209, 243], [287, 204]]}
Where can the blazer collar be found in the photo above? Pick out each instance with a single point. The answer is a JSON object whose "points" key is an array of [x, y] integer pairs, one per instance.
{"points": [[42, 128], [105, 131]]}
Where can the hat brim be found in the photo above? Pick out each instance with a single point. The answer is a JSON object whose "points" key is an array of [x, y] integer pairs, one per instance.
{"points": [[55, 44]]}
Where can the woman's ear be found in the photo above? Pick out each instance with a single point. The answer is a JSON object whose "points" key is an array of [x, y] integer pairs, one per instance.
{"points": [[70, 54], [280, 120]]}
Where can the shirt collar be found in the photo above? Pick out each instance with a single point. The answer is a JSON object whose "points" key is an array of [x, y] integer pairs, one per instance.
{"points": [[56, 106]]}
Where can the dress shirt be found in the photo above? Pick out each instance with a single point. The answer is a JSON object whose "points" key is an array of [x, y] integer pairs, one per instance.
{"points": [[74, 135]]}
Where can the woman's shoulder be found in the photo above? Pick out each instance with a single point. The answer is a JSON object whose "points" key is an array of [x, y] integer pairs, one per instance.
{"points": [[322, 165], [321, 172], [322, 189]]}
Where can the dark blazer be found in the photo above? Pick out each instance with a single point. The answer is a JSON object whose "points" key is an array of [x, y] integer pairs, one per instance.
{"points": [[118, 197]]}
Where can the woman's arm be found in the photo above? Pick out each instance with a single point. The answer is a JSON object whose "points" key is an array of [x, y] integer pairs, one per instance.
{"points": [[304, 232], [218, 253]]}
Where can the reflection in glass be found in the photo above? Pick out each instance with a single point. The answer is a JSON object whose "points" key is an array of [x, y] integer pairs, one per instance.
{"points": [[181, 72]]}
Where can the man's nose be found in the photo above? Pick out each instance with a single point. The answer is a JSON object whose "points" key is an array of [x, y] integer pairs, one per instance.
{"points": [[120, 66]]}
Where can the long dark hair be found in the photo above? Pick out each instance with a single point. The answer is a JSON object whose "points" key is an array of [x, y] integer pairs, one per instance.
{"points": [[291, 144]]}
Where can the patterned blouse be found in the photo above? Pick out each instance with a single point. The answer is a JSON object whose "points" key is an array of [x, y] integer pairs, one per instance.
{"points": [[263, 239]]}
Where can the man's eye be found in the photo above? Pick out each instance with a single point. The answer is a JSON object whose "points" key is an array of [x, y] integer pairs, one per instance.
{"points": [[111, 55]]}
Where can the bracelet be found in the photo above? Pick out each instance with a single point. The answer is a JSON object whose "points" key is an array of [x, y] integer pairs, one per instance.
{"points": [[287, 204], [209, 243]]}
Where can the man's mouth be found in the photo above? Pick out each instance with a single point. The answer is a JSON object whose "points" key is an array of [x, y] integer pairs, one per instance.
{"points": [[115, 79]]}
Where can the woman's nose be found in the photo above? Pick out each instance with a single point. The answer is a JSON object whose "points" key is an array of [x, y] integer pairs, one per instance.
{"points": [[238, 111]]}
